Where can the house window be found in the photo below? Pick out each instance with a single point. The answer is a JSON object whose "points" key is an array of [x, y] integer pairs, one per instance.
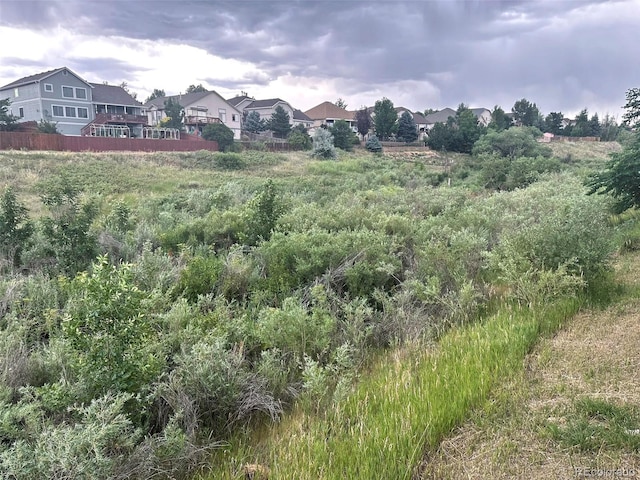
{"points": [[222, 114], [234, 117], [69, 111], [16, 92], [58, 111], [83, 112], [48, 87], [81, 93], [67, 92], [21, 112]]}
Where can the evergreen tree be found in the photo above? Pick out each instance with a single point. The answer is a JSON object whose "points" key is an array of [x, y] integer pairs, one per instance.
{"points": [[525, 113], [323, 144], [594, 126], [499, 119], [342, 135], [385, 119], [407, 128], [373, 144], [553, 123], [581, 127], [279, 123], [254, 123]]}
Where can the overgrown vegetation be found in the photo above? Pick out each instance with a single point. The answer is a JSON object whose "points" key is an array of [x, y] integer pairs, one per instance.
{"points": [[155, 318]]}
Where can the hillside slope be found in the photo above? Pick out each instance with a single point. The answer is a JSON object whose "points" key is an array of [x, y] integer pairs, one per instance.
{"points": [[558, 418]]}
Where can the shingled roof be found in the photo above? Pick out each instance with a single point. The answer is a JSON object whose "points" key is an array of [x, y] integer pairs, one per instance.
{"points": [[328, 110], [37, 77], [183, 99], [300, 115], [112, 95]]}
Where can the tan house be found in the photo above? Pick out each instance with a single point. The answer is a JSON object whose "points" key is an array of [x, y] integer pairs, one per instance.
{"points": [[327, 114], [441, 116], [200, 109]]}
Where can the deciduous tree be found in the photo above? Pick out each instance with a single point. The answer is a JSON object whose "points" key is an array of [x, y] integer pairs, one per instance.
{"points": [[363, 121], [175, 114], [8, 122], [157, 93], [499, 119], [553, 123], [385, 119], [219, 132], [196, 88]]}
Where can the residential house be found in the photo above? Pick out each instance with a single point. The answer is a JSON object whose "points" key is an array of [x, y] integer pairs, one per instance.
{"points": [[483, 115], [441, 116], [266, 108], [59, 96], [113, 106], [328, 113], [200, 109], [300, 118], [419, 118]]}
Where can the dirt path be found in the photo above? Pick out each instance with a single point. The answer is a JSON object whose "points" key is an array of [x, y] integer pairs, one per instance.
{"points": [[594, 358]]}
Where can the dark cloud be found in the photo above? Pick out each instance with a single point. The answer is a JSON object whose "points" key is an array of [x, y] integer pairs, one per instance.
{"points": [[472, 51]]}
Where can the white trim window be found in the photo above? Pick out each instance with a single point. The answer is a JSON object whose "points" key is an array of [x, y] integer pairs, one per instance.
{"points": [[21, 112], [48, 87], [70, 112], [16, 92], [57, 110], [74, 92], [83, 112], [222, 115]]}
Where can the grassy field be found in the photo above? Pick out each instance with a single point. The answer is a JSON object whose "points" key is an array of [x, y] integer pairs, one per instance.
{"points": [[573, 409], [327, 319]]}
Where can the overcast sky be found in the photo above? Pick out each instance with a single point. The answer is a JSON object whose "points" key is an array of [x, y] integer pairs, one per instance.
{"points": [[564, 55]]}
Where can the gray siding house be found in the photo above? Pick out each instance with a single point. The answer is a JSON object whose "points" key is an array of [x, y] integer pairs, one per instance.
{"points": [[59, 96]]}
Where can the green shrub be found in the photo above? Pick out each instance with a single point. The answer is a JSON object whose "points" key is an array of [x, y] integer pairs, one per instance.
{"points": [[15, 228], [323, 147], [299, 141], [199, 277], [229, 161], [219, 132], [373, 144], [109, 332]]}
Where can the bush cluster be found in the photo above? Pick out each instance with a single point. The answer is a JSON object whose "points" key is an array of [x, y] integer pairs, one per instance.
{"points": [[137, 335]]}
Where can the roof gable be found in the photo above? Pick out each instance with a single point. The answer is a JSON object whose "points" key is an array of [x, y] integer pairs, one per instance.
{"points": [[41, 76], [270, 102], [300, 115]]}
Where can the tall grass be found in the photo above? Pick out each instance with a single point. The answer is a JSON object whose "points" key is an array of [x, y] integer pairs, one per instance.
{"points": [[409, 401]]}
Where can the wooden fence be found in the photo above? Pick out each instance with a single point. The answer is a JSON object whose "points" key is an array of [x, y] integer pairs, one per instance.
{"points": [[43, 141]]}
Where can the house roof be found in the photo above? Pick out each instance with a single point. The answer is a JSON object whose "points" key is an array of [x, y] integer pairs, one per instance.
{"points": [[419, 118], [38, 77], [112, 95], [329, 110], [270, 102], [184, 99], [300, 115], [440, 116], [480, 111], [236, 100]]}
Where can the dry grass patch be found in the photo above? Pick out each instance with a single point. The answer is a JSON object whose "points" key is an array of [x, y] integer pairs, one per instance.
{"points": [[535, 426]]}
